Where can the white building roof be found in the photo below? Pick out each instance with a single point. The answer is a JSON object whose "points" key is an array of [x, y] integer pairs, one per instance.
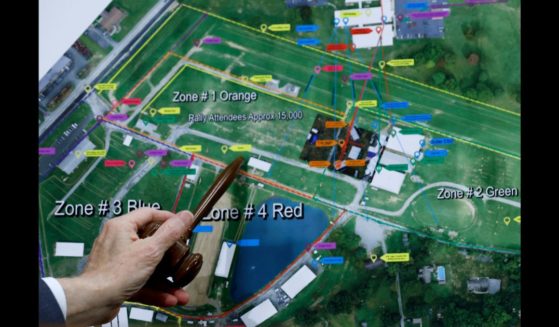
{"points": [[194, 178], [141, 314], [388, 8], [122, 317], [354, 134], [303, 277], [225, 259], [127, 140], [259, 314], [406, 144], [391, 158], [259, 164], [359, 17], [371, 40], [72, 160], [354, 152], [388, 180], [68, 249]]}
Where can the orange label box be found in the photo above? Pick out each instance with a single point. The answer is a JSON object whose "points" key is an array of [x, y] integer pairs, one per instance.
{"points": [[319, 163], [325, 143]]}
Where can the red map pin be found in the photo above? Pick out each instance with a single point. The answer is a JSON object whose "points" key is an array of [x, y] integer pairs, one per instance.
{"points": [[379, 29], [131, 164]]}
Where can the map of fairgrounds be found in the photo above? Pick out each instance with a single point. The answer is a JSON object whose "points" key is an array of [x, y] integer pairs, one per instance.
{"points": [[312, 181], [96, 185], [242, 192], [337, 193], [499, 28], [54, 188], [284, 130], [251, 54], [465, 166], [254, 54]]}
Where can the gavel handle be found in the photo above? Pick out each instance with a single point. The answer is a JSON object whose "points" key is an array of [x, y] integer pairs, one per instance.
{"points": [[216, 191]]}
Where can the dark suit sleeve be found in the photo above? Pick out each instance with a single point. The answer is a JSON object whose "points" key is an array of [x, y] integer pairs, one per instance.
{"points": [[50, 313]]}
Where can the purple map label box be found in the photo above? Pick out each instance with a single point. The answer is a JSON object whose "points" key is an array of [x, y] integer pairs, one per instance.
{"points": [[181, 163], [212, 40], [117, 117], [361, 76], [47, 151], [429, 14], [156, 153], [325, 246]]}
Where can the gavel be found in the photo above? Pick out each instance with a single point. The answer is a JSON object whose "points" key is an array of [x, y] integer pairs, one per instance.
{"points": [[178, 263]]}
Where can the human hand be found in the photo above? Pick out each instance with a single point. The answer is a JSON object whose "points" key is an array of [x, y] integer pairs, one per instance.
{"points": [[120, 264]]}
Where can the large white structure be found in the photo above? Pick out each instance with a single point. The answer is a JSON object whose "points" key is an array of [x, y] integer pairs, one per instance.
{"points": [[141, 314], [121, 320], [405, 144], [225, 259], [388, 180], [259, 164], [127, 140], [76, 157], [194, 177], [68, 249], [379, 19], [296, 283], [391, 158], [259, 314]]}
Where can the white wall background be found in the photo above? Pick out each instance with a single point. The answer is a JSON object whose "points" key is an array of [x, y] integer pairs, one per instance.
{"points": [[61, 22]]}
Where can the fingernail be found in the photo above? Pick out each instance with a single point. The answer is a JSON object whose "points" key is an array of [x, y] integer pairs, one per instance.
{"points": [[186, 216]]}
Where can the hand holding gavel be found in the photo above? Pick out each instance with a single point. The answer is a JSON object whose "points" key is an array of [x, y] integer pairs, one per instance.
{"points": [[178, 262]]}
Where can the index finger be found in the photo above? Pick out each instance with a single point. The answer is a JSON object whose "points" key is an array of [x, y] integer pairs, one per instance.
{"points": [[141, 217]]}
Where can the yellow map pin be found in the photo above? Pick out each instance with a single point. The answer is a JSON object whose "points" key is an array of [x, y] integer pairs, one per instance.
{"points": [[152, 112], [507, 220], [348, 104], [244, 78], [373, 258], [88, 89], [263, 28], [381, 64], [78, 154], [224, 148]]}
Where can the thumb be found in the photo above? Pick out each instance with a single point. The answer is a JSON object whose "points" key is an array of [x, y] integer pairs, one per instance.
{"points": [[172, 229]]}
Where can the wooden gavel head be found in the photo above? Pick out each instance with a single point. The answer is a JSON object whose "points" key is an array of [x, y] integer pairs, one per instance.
{"points": [[178, 263]]}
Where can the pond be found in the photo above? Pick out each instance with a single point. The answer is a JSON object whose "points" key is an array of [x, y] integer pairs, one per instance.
{"points": [[281, 241]]}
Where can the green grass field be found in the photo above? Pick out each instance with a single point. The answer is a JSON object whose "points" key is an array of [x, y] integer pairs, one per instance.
{"points": [[135, 10], [76, 116], [53, 229], [162, 42], [499, 25]]}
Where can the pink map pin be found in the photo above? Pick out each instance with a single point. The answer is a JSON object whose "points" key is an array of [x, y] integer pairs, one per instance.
{"points": [[131, 164], [317, 69], [379, 29]]}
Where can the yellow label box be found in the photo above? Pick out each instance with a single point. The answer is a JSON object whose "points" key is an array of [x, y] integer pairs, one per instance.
{"points": [[95, 153], [191, 148], [395, 257]]}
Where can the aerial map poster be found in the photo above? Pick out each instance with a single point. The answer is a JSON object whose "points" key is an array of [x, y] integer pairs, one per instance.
{"points": [[381, 144]]}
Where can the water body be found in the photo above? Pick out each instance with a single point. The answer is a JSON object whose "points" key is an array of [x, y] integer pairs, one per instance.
{"points": [[281, 241]]}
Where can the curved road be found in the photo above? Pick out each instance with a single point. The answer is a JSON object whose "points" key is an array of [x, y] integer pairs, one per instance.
{"points": [[400, 211]]}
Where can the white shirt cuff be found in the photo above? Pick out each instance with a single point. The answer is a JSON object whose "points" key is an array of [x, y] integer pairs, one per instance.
{"points": [[58, 293]]}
